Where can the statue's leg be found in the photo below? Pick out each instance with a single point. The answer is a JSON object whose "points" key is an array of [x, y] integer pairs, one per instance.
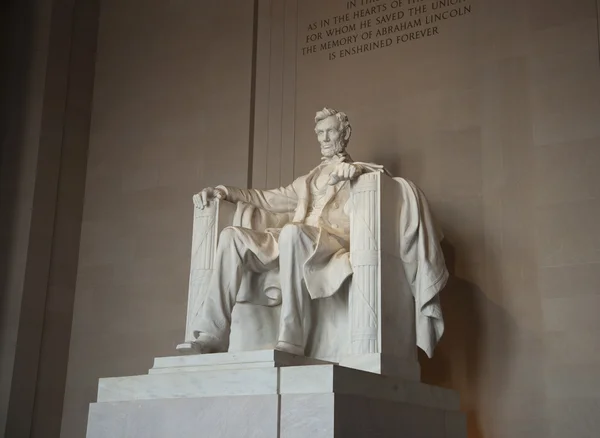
{"points": [[238, 250], [296, 244]]}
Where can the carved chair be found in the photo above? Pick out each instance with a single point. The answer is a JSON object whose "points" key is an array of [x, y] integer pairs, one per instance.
{"points": [[370, 326]]}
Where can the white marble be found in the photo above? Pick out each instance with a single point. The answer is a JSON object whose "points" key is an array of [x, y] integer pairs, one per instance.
{"points": [[307, 415], [219, 417], [189, 385], [383, 364], [323, 379], [288, 416], [326, 415], [307, 379], [298, 257], [317, 401], [230, 361]]}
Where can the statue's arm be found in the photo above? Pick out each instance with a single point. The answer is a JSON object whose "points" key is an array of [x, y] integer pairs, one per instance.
{"points": [[280, 200], [351, 171], [370, 167]]}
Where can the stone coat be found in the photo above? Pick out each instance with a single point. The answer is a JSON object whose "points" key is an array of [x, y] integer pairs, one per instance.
{"points": [[418, 250], [329, 266]]}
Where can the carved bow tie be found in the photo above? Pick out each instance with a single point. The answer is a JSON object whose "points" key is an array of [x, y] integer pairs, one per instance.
{"points": [[337, 158]]}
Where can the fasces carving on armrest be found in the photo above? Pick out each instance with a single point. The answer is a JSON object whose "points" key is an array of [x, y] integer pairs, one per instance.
{"points": [[364, 256], [208, 223], [366, 182]]}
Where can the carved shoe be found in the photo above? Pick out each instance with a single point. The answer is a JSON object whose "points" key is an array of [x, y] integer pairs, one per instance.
{"points": [[205, 344], [289, 348]]}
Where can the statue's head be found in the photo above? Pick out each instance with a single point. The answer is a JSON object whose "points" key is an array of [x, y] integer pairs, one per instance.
{"points": [[333, 131]]}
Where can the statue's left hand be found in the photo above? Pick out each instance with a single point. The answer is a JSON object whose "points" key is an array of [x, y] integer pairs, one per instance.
{"points": [[202, 199], [344, 172]]}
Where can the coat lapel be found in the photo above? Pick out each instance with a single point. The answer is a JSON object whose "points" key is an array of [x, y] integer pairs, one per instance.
{"points": [[303, 197]]}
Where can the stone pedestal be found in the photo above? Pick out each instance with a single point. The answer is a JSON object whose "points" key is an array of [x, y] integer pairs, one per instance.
{"points": [[269, 394]]}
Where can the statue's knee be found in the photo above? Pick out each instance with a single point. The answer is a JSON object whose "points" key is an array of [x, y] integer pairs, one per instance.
{"points": [[228, 235], [290, 233]]}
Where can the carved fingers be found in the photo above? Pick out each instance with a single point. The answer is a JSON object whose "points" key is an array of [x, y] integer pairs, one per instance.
{"points": [[197, 201], [202, 199], [343, 172], [219, 193], [350, 171]]}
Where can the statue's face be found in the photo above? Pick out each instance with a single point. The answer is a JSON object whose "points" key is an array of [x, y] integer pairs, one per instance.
{"points": [[330, 135]]}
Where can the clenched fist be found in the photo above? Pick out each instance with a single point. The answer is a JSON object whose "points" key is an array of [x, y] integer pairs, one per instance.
{"points": [[202, 199], [344, 172]]}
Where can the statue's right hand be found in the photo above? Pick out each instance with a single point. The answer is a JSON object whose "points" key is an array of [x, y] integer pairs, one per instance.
{"points": [[202, 199]]}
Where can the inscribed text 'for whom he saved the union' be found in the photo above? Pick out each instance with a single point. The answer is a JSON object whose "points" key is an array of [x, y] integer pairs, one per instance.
{"points": [[367, 25]]}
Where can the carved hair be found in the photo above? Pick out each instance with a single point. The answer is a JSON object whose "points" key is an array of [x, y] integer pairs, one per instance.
{"points": [[343, 119]]}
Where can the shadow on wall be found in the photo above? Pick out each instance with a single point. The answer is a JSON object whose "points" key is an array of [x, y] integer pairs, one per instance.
{"points": [[17, 55], [475, 348]]}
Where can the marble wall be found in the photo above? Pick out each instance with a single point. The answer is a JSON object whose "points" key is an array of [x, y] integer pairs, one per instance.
{"points": [[171, 114], [495, 118]]}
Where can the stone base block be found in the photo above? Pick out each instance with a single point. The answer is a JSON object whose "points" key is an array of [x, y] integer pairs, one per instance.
{"points": [[316, 401], [231, 361], [207, 417], [384, 364], [272, 416]]}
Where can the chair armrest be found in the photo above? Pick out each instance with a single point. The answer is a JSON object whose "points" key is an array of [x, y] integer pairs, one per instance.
{"points": [[365, 244], [208, 224], [381, 306]]}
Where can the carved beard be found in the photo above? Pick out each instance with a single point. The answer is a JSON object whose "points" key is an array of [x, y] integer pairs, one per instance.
{"points": [[338, 148]]}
